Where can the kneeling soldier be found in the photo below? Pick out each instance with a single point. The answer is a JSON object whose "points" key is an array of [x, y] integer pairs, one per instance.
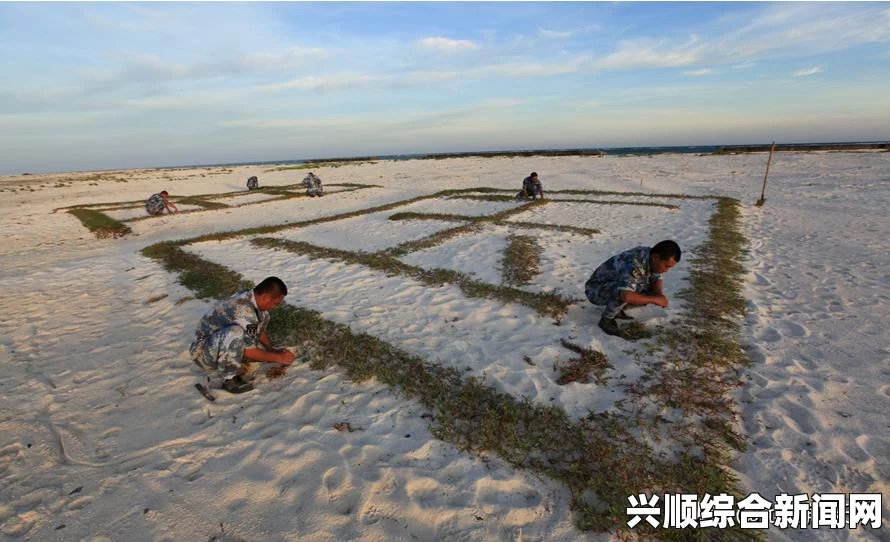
{"points": [[233, 334]]}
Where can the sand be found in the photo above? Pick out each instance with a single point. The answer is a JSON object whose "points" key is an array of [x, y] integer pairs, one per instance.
{"points": [[103, 437]]}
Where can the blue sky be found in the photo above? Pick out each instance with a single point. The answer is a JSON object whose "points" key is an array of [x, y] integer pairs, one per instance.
{"points": [[114, 85]]}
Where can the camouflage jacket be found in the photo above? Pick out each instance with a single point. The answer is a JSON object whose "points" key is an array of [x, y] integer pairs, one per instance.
{"points": [[627, 271], [239, 310]]}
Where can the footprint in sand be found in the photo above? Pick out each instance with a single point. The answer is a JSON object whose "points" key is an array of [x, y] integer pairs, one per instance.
{"points": [[770, 334], [791, 329], [799, 417], [761, 280]]}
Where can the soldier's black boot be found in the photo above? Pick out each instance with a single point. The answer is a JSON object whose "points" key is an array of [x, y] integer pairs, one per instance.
{"points": [[237, 384], [610, 326], [623, 316]]}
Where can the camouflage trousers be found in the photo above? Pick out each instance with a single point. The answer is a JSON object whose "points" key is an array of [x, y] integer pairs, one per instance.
{"points": [[154, 207], [605, 293], [220, 355]]}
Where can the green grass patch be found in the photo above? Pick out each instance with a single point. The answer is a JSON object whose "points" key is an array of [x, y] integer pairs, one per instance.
{"points": [[611, 202], [521, 260], [102, 225], [590, 366], [206, 279], [433, 240], [435, 216], [486, 197], [551, 227]]}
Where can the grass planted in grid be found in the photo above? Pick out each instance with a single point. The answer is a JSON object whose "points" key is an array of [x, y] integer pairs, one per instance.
{"points": [[102, 225], [547, 304], [521, 260], [684, 395]]}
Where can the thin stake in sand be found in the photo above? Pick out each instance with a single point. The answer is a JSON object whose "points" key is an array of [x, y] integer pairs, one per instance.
{"points": [[762, 199]]}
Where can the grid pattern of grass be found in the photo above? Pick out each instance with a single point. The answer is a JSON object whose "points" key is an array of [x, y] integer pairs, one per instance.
{"points": [[602, 458], [102, 225], [521, 260], [546, 304], [90, 213]]}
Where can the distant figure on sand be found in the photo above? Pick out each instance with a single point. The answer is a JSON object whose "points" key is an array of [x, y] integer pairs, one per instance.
{"points": [[233, 334], [531, 187], [156, 204], [630, 279], [313, 185], [253, 183]]}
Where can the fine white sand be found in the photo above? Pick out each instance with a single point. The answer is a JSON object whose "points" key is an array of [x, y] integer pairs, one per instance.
{"points": [[103, 437]]}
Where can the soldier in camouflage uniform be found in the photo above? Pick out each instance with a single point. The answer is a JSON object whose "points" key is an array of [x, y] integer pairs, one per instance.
{"points": [[233, 334], [631, 278], [531, 187], [156, 204], [253, 183], [313, 185]]}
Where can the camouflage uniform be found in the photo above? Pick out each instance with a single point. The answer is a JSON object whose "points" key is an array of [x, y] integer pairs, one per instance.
{"points": [[155, 205], [627, 271], [253, 183], [313, 185], [531, 188], [233, 324]]}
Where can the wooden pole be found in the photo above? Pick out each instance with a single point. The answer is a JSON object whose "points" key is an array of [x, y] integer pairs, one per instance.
{"points": [[762, 199]]}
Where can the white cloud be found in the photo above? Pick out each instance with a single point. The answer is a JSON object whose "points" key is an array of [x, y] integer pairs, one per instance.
{"points": [[447, 45], [806, 72], [556, 34], [269, 60], [645, 53], [700, 73], [327, 83]]}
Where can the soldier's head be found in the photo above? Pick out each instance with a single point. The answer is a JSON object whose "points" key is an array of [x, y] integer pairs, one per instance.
{"points": [[664, 255], [164, 193], [269, 293], [534, 177]]}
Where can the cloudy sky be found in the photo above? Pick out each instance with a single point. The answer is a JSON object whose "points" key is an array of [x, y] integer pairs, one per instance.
{"points": [[112, 85]]}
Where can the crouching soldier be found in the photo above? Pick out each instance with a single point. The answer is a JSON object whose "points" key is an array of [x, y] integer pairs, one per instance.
{"points": [[313, 185], [253, 183], [233, 334], [632, 278], [157, 203], [531, 187]]}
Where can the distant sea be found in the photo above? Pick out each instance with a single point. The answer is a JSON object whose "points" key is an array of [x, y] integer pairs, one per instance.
{"points": [[610, 151]]}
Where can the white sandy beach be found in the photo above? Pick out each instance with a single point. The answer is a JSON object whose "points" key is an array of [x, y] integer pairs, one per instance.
{"points": [[103, 437]]}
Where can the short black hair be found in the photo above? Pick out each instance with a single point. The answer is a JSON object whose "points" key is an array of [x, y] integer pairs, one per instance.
{"points": [[534, 174], [667, 249], [271, 285]]}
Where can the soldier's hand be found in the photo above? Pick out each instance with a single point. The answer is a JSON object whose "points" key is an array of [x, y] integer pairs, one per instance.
{"points": [[286, 357], [661, 301]]}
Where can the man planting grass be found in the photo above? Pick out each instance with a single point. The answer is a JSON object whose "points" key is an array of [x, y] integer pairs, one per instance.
{"points": [[631, 279], [233, 334]]}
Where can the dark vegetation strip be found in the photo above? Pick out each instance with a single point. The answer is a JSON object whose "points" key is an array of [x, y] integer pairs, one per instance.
{"points": [[466, 218], [611, 202], [703, 359], [546, 304], [553, 227], [102, 225], [582, 192], [521, 261], [282, 190]]}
